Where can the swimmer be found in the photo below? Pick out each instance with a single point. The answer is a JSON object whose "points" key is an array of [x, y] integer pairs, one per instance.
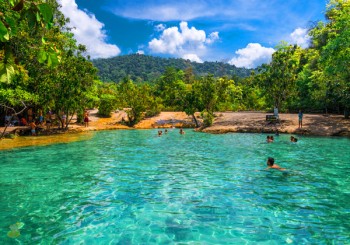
{"points": [[271, 164], [160, 132], [269, 139], [293, 139], [182, 131]]}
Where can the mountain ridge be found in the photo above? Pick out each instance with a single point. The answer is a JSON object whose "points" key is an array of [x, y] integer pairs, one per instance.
{"points": [[142, 68]]}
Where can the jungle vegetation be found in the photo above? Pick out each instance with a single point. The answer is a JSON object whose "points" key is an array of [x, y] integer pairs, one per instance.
{"points": [[43, 67]]}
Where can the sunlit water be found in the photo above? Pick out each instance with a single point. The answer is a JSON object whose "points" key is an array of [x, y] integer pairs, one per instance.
{"points": [[132, 187]]}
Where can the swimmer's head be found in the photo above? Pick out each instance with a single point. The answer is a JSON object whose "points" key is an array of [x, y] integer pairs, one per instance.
{"points": [[270, 161]]}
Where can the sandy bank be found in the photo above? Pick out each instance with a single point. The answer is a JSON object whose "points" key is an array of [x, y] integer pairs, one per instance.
{"points": [[225, 122], [313, 124]]}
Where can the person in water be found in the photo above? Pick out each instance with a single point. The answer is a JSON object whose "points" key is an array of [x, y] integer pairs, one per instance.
{"points": [[271, 164], [293, 139], [182, 131], [269, 139]]}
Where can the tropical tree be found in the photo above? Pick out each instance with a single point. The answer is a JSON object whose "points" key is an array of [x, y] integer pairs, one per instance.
{"points": [[136, 100], [278, 79], [335, 52], [171, 88], [34, 17]]}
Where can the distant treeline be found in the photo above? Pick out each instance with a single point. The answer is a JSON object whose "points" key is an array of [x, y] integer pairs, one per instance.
{"points": [[141, 68]]}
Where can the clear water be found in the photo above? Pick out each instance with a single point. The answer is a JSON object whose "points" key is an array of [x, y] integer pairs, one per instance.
{"points": [[132, 187]]}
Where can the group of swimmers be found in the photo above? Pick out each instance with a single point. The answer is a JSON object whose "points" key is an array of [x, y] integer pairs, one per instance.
{"points": [[270, 139], [160, 132], [271, 161]]}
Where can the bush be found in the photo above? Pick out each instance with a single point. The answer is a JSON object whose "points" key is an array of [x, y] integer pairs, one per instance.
{"points": [[107, 105], [208, 118]]}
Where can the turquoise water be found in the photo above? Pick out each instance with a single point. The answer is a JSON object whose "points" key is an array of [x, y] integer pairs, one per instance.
{"points": [[132, 187]]}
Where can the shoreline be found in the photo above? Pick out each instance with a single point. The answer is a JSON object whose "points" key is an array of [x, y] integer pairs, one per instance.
{"points": [[255, 122], [224, 122]]}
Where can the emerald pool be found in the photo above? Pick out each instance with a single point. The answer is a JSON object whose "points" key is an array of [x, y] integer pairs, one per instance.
{"points": [[133, 187]]}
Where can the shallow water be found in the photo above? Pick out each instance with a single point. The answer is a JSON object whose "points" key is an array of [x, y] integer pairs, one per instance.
{"points": [[132, 187]]}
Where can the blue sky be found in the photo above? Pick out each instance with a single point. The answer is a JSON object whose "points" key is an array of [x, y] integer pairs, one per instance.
{"points": [[240, 32]]}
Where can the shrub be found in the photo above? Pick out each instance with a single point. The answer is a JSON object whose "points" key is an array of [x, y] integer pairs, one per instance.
{"points": [[107, 105]]}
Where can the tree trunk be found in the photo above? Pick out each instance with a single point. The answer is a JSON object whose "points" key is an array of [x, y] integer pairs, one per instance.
{"points": [[12, 115], [3, 133], [346, 113], [195, 120]]}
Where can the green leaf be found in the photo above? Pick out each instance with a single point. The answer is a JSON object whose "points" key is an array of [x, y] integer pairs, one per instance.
{"points": [[42, 56], [13, 233], [12, 2], [31, 19], [6, 72], [46, 12], [4, 34], [52, 60], [3, 75], [38, 18], [13, 24]]}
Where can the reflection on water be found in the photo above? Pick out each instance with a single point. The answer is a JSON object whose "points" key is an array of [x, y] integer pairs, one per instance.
{"points": [[23, 141]]}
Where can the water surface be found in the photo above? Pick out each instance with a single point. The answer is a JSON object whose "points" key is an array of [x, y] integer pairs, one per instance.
{"points": [[132, 187]]}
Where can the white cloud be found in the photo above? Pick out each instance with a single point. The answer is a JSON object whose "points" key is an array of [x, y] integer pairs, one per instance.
{"points": [[252, 56], [301, 37], [182, 41], [140, 52], [212, 37], [192, 57], [159, 10], [88, 31]]}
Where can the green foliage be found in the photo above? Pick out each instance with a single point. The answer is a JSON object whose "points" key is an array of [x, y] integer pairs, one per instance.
{"points": [[149, 68], [208, 118], [335, 55], [210, 94], [107, 105], [171, 88], [40, 64], [136, 98], [108, 99], [324, 79], [4, 33], [155, 107], [18, 17], [278, 79]]}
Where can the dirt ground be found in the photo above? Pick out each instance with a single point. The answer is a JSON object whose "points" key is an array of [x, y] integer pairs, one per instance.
{"points": [[313, 124], [224, 122], [163, 120]]}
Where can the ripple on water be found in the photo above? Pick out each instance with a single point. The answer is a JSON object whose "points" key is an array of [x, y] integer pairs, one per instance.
{"points": [[132, 187]]}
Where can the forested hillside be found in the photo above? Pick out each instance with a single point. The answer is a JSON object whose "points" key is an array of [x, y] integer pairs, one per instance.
{"points": [[149, 68]]}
